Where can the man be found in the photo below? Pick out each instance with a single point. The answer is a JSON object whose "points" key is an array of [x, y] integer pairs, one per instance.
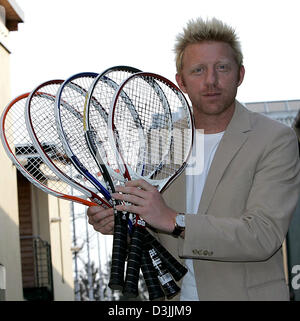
{"points": [[244, 196]]}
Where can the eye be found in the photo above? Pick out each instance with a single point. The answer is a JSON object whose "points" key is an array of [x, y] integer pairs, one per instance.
{"points": [[223, 67], [198, 70]]}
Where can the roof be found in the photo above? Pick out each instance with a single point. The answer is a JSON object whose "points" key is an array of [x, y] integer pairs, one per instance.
{"points": [[14, 14], [284, 111], [274, 106]]}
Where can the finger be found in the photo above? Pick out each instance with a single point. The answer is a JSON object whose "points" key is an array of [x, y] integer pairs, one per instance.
{"points": [[104, 221], [141, 184], [92, 210], [100, 215], [129, 208], [128, 198], [97, 219], [103, 225], [108, 229], [131, 190]]}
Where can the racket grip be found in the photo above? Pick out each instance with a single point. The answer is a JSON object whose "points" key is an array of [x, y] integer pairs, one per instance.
{"points": [[134, 262], [168, 285], [119, 253], [173, 266], [150, 276]]}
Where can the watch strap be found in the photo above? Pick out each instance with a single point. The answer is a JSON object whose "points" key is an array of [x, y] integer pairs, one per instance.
{"points": [[178, 229]]}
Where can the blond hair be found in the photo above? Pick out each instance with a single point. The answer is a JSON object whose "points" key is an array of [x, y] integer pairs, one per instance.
{"points": [[210, 30]]}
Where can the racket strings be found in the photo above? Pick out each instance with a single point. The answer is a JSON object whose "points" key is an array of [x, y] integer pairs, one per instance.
{"points": [[144, 132], [44, 125], [74, 92], [164, 125], [22, 147], [72, 127], [72, 102], [100, 102]]}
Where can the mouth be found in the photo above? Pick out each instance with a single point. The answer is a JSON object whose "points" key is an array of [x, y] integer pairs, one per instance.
{"points": [[211, 94]]}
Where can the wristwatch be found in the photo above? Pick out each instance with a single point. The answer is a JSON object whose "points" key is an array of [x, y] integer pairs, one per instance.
{"points": [[179, 224]]}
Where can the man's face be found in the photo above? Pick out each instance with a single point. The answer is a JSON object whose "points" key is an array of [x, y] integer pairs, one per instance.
{"points": [[210, 76]]}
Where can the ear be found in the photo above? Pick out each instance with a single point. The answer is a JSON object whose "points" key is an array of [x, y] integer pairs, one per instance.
{"points": [[241, 75], [180, 82]]}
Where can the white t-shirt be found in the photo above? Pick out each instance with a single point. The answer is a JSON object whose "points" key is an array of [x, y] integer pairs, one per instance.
{"points": [[204, 149]]}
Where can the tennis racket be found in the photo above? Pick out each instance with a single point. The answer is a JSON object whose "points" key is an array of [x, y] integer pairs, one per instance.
{"points": [[22, 152], [96, 114], [70, 102], [165, 123], [151, 279], [156, 146], [95, 126], [170, 288], [68, 111], [41, 126]]}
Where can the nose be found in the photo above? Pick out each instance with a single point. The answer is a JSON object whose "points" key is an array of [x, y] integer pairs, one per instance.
{"points": [[211, 78]]}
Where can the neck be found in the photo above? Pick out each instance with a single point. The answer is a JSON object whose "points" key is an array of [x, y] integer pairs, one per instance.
{"points": [[213, 123]]}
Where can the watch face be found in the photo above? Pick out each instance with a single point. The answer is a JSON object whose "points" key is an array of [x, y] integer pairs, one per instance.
{"points": [[180, 220]]}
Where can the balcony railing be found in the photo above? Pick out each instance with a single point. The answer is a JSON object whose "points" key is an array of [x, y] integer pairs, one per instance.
{"points": [[36, 268]]}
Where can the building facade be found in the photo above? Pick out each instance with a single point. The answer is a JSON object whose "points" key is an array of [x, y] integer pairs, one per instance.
{"points": [[35, 242]]}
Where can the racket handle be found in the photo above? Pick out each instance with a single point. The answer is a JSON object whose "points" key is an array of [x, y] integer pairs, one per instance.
{"points": [[119, 253], [134, 262], [168, 285], [150, 276], [173, 266]]}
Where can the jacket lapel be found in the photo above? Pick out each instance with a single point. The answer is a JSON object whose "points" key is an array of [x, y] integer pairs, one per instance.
{"points": [[234, 137]]}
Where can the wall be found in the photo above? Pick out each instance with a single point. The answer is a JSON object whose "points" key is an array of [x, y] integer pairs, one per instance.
{"points": [[9, 221]]}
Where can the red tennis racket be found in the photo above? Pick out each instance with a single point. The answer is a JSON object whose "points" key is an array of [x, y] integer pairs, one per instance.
{"points": [[24, 155]]}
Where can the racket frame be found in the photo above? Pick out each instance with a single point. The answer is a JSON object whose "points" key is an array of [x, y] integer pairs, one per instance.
{"points": [[37, 144], [20, 167], [120, 232], [126, 169], [60, 128]]}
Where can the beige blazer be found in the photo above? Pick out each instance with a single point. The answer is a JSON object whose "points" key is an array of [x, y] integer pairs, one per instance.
{"points": [[250, 194]]}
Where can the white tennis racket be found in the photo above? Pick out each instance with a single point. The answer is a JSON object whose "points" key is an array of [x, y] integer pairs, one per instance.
{"points": [[41, 126], [22, 152], [155, 145]]}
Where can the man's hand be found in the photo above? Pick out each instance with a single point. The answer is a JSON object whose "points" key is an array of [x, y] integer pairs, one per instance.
{"points": [[147, 202], [101, 219]]}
